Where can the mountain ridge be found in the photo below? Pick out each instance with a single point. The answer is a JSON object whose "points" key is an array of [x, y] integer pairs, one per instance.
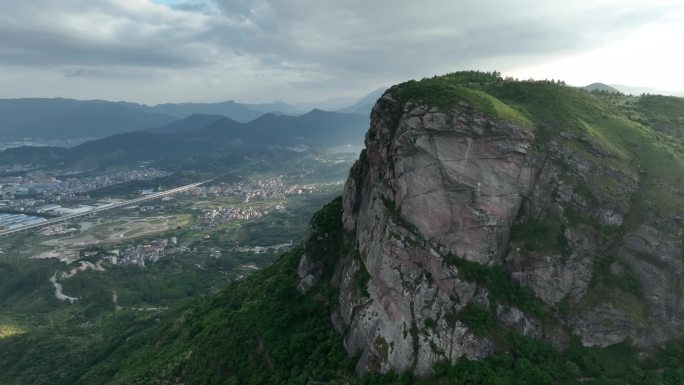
{"points": [[63, 119], [69, 118], [205, 136]]}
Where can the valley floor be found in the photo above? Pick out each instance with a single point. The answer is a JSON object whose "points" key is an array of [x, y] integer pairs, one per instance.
{"points": [[70, 289]]}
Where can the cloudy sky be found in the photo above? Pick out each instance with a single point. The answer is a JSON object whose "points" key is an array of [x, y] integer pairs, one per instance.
{"points": [[155, 51]]}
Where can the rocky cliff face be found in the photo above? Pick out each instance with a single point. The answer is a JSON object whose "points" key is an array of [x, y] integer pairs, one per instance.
{"points": [[438, 190]]}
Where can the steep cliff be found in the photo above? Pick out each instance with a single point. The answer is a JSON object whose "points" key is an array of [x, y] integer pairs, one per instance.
{"points": [[482, 204]]}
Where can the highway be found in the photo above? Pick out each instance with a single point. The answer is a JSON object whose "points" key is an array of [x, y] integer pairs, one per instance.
{"points": [[102, 208]]}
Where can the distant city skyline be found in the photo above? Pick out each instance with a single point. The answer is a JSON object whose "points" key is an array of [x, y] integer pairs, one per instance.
{"points": [[157, 51]]}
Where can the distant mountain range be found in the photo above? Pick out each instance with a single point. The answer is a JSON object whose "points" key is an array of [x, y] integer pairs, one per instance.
{"points": [[67, 118], [364, 105], [201, 135], [64, 119], [236, 111], [633, 90], [630, 90]]}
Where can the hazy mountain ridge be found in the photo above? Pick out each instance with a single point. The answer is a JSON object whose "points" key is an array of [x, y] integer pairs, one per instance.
{"points": [[63, 119], [204, 136], [636, 90], [68, 118], [631, 90], [365, 104], [236, 111]]}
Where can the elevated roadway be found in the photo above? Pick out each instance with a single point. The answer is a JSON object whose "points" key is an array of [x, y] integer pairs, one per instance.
{"points": [[99, 209]]}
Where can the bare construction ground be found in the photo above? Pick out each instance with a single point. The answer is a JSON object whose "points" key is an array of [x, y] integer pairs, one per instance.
{"points": [[119, 230], [65, 247]]}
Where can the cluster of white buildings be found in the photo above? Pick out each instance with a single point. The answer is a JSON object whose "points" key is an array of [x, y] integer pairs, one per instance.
{"points": [[265, 249], [39, 187], [274, 188], [139, 254], [222, 215]]}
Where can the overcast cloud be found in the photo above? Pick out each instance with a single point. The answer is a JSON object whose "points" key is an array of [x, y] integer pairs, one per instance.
{"points": [[296, 50]]}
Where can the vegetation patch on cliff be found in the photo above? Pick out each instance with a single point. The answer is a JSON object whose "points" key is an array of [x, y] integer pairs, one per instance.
{"points": [[361, 277], [326, 241], [502, 288], [541, 236], [477, 318]]}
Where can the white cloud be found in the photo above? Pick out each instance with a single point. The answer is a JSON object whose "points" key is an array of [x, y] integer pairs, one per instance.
{"points": [[163, 50], [647, 56]]}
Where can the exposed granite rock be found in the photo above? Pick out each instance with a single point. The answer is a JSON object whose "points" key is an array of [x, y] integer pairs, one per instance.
{"points": [[515, 319], [453, 180], [433, 185], [554, 277], [656, 258], [309, 273], [605, 325]]}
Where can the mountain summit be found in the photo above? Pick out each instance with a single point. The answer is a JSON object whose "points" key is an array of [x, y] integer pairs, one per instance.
{"points": [[527, 206]]}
